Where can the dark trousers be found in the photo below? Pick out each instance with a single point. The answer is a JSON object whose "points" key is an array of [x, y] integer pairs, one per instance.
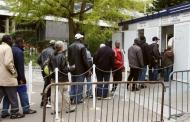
{"points": [[102, 89], [117, 76], [153, 72], [22, 92], [47, 81], [134, 74], [11, 93]]}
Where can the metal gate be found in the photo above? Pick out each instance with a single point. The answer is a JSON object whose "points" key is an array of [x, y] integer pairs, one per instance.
{"points": [[124, 105]]}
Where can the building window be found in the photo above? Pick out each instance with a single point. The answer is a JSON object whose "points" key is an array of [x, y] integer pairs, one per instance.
{"points": [[2, 25]]}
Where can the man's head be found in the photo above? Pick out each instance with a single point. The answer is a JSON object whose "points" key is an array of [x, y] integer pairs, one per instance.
{"points": [[137, 41], [7, 39], [102, 45], [59, 46], [117, 44], [20, 42], [109, 43], [52, 42], [155, 39], [79, 36], [142, 39]]}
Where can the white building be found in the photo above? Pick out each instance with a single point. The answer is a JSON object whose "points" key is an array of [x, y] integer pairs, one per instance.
{"points": [[172, 21]]}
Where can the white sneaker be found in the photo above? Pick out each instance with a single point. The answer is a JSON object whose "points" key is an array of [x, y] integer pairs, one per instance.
{"points": [[48, 106]]}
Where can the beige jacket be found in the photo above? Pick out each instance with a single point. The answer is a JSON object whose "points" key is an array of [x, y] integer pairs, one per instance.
{"points": [[8, 74]]}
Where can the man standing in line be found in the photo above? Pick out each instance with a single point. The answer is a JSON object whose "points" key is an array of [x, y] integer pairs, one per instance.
{"points": [[58, 60], [77, 58], [18, 56], [135, 58], [88, 75], [118, 65], [42, 60], [8, 81], [154, 59], [104, 61], [145, 48]]}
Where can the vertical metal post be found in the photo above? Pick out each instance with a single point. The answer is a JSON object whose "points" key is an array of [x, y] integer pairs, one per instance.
{"points": [[170, 85], [56, 95], [30, 81], [93, 86]]}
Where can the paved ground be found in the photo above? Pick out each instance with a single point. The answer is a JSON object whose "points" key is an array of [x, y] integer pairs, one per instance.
{"points": [[85, 112]]}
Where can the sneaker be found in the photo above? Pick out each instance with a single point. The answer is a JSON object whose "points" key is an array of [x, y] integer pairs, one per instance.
{"points": [[48, 106], [5, 115], [16, 116], [72, 109], [143, 86], [30, 111], [135, 89], [89, 96]]}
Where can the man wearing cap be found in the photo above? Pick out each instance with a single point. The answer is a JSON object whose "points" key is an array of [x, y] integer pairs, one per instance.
{"points": [[154, 59], [77, 58], [44, 56]]}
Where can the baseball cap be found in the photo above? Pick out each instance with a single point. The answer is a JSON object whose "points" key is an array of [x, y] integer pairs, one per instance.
{"points": [[78, 36], [155, 38], [52, 42]]}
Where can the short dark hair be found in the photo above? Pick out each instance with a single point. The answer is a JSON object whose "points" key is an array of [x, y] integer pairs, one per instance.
{"points": [[19, 40], [142, 38], [6, 38], [155, 38]]}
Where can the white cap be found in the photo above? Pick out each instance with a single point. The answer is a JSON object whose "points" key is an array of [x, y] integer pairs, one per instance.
{"points": [[52, 42], [102, 45], [79, 36]]}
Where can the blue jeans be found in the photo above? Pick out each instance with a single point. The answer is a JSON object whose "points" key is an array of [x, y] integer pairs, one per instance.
{"points": [[102, 89], [89, 86], [167, 72], [76, 93], [22, 91], [153, 73], [142, 73]]}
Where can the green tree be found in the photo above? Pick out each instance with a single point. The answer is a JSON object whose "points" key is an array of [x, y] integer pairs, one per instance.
{"points": [[162, 4], [84, 19]]}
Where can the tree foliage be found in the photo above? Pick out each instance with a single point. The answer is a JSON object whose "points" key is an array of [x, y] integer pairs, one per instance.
{"points": [[83, 19], [162, 4]]}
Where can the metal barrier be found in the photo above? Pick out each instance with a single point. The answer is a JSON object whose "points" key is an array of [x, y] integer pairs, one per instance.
{"points": [[179, 94], [124, 105]]}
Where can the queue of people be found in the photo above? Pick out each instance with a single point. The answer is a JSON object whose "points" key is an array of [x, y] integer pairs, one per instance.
{"points": [[142, 56], [77, 60]]}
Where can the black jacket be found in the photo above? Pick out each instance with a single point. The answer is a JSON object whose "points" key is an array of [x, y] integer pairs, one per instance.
{"points": [[59, 61], [104, 58], [154, 54], [77, 56], [18, 56], [145, 49]]}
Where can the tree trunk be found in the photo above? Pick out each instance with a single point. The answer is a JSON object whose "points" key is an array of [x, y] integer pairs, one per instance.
{"points": [[71, 30]]}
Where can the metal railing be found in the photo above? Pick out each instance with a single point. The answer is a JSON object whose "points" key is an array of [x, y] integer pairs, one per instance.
{"points": [[179, 96], [124, 105]]}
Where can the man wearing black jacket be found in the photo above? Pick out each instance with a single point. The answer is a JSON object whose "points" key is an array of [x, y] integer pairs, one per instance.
{"points": [[77, 58], [145, 48], [154, 59], [104, 61]]}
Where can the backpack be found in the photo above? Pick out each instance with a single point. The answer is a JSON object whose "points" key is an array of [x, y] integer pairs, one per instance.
{"points": [[46, 69]]}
